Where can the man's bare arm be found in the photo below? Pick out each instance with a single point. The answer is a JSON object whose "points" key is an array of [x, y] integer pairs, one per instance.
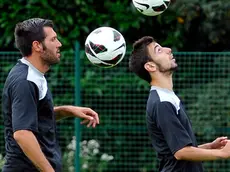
{"points": [[191, 153], [30, 146]]}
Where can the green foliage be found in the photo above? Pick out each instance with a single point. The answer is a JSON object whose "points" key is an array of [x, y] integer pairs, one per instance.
{"points": [[119, 97], [202, 82], [185, 25], [205, 25], [74, 19], [92, 159], [2, 161], [203, 85], [61, 81], [208, 97]]}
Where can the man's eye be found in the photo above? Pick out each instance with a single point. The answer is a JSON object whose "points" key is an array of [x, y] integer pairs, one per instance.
{"points": [[159, 50]]}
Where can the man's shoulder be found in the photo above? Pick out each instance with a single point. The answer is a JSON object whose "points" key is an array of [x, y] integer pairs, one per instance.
{"points": [[18, 72], [159, 97]]}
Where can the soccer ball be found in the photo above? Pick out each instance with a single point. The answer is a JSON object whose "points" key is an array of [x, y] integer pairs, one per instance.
{"points": [[151, 7], [105, 47]]}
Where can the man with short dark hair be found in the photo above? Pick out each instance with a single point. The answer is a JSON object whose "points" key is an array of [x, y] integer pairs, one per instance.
{"points": [[168, 126], [28, 111]]}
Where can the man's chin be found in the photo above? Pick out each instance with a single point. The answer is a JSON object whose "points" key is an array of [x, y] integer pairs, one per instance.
{"points": [[53, 62], [174, 68], [56, 62]]}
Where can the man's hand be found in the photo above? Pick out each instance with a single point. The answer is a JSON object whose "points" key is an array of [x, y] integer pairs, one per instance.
{"points": [[219, 143], [225, 151], [90, 117]]}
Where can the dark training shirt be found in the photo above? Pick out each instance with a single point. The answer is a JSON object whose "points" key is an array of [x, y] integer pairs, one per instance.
{"points": [[170, 130], [28, 105]]}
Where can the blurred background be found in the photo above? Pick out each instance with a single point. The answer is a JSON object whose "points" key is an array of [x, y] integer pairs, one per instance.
{"points": [[197, 31]]}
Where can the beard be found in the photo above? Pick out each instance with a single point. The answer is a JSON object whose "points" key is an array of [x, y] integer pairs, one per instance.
{"points": [[48, 56], [167, 71]]}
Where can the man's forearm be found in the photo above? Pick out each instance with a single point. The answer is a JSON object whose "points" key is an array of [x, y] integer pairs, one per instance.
{"points": [[205, 146], [30, 146], [62, 112], [198, 154]]}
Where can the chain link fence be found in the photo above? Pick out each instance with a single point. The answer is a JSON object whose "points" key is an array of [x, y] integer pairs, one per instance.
{"points": [[120, 142]]}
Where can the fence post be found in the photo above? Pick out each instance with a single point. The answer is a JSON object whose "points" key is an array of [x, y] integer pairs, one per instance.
{"points": [[77, 103]]}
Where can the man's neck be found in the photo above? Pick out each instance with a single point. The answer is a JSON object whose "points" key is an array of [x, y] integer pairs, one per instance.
{"points": [[162, 81], [37, 63]]}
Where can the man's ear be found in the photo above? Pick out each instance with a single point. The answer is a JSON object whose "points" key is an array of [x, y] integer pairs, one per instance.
{"points": [[150, 66], [37, 46]]}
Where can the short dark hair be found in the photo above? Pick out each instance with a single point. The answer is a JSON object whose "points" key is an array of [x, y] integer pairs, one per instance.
{"points": [[28, 31], [140, 56]]}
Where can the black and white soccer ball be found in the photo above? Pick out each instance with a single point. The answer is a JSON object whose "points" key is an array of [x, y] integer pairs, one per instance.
{"points": [[105, 47], [151, 7]]}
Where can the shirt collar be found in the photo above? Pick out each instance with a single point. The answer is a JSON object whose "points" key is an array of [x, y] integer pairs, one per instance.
{"points": [[23, 60]]}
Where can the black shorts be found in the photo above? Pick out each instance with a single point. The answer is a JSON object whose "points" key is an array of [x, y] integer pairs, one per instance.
{"points": [[17, 165], [14, 169]]}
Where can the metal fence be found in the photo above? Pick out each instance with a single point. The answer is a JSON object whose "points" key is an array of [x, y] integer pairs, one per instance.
{"points": [[120, 143]]}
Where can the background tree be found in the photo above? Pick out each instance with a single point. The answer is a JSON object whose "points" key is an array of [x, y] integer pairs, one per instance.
{"points": [[186, 25]]}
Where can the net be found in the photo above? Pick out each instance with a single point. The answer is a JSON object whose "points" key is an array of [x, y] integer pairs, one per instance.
{"points": [[120, 142]]}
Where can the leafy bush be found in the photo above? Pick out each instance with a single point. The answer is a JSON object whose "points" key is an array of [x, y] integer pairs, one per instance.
{"points": [[92, 160], [195, 25], [2, 161]]}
